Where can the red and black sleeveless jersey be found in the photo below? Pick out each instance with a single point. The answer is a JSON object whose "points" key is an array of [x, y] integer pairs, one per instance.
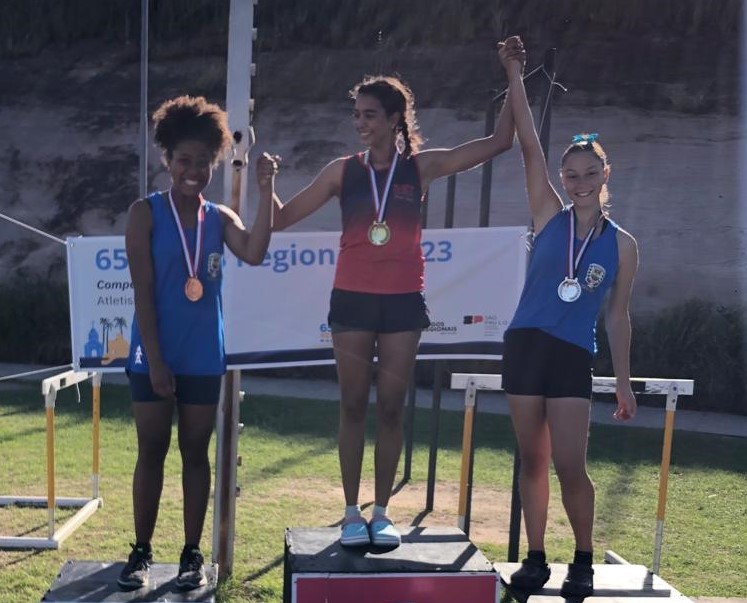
{"points": [[396, 267]]}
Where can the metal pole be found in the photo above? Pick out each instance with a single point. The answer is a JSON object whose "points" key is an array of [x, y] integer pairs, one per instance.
{"points": [[487, 170], [465, 485], [514, 528], [546, 115], [143, 134], [96, 435], [239, 70], [450, 194], [435, 425], [666, 455], [410, 430]]}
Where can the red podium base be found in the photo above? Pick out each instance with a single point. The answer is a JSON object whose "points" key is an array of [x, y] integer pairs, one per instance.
{"points": [[432, 565]]}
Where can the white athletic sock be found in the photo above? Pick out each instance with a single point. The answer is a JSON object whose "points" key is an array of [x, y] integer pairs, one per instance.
{"points": [[352, 510], [379, 511]]}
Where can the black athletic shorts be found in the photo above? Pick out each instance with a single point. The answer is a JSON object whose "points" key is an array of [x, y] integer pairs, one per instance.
{"points": [[537, 364], [190, 389], [377, 312]]}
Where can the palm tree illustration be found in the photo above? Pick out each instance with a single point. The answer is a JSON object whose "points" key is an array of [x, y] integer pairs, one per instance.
{"points": [[120, 323], [106, 325]]}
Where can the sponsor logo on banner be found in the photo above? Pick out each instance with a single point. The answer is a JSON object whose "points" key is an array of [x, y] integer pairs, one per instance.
{"points": [[489, 324], [473, 319], [442, 328]]}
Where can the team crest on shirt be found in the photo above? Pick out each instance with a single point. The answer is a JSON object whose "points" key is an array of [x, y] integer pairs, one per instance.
{"points": [[403, 192], [594, 276], [213, 265]]}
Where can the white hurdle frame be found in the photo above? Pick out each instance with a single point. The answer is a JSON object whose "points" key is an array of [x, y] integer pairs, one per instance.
{"points": [[671, 388], [86, 506]]}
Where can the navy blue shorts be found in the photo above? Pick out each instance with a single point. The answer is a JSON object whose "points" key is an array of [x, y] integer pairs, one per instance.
{"points": [[377, 312], [537, 364], [190, 389]]}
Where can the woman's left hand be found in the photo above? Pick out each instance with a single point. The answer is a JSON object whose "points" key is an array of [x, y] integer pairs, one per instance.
{"points": [[626, 404], [512, 49], [267, 168]]}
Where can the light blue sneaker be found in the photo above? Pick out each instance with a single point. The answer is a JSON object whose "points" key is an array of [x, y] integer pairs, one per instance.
{"points": [[354, 532], [383, 532]]}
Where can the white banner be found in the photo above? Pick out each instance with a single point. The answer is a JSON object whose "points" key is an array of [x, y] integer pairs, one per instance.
{"points": [[102, 302], [276, 313]]}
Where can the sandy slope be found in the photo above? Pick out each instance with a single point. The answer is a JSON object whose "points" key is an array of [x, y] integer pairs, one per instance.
{"points": [[674, 183]]}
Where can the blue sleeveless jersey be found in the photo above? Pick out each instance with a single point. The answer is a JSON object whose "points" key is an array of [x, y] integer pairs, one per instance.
{"points": [[539, 305], [190, 333]]}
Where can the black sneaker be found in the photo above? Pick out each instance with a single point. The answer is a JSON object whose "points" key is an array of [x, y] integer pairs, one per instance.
{"points": [[191, 573], [531, 576], [579, 582], [135, 572]]}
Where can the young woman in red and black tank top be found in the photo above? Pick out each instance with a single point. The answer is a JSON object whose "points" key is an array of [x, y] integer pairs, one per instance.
{"points": [[377, 305]]}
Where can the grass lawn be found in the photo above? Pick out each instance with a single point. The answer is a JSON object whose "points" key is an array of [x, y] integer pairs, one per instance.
{"points": [[289, 477]]}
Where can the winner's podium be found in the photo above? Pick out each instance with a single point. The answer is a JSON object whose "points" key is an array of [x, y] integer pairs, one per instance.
{"points": [[432, 565]]}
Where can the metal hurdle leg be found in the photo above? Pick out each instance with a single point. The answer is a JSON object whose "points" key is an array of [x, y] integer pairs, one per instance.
{"points": [[468, 457], [666, 455], [86, 506]]}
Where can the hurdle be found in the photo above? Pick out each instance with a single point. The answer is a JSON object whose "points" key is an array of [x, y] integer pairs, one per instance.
{"points": [[472, 383], [86, 506]]}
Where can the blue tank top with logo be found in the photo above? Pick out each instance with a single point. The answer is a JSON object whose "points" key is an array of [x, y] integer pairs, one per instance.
{"points": [[190, 333], [541, 307]]}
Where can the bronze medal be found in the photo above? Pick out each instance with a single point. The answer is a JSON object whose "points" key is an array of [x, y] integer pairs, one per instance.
{"points": [[193, 289]]}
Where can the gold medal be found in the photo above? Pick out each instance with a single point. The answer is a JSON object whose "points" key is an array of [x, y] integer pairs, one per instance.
{"points": [[193, 289], [379, 234]]}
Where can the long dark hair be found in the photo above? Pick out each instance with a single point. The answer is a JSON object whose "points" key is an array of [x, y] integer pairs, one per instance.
{"points": [[396, 97]]}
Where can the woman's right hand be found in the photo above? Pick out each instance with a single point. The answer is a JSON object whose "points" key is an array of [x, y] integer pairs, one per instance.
{"points": [[512, 54], [162, 380]]}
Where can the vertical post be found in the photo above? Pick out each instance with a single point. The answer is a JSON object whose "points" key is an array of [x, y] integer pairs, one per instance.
{"points": [[96, 387], [465, 476], [225, 486], [410, 428], [487, 169], [514, 527], [546, 106], [424, 210], [666, 455], [544, 136], [143, 134], [435, 424], [450, 194], [49, 402], [239, 71]]}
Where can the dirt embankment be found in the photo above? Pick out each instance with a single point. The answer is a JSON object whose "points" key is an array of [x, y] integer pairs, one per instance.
{"points": [[665, 109]]}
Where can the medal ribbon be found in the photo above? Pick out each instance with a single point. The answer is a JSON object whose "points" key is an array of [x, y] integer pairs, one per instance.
{"points": [[192, 265], [380, 204], [573, 263]]}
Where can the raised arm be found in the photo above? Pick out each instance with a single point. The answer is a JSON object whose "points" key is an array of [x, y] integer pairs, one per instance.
{"points": [[617, 323], [544, 201], [326, 185], [252, 246], [435, 163]]}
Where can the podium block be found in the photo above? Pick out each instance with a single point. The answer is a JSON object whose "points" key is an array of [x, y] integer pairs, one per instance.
{"points": [[96, 582], [432, 565]]}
